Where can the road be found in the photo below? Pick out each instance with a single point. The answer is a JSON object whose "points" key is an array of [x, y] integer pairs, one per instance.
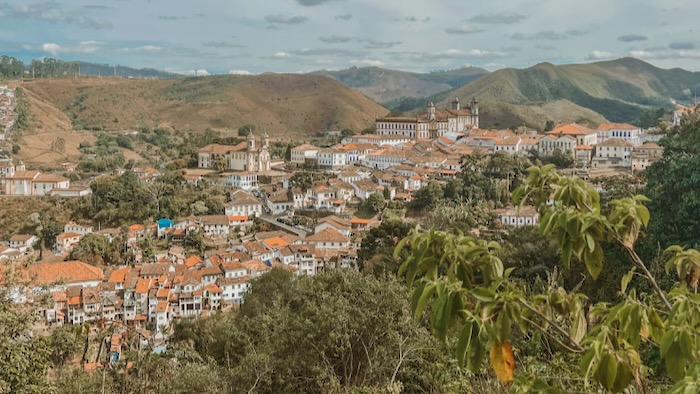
{"points": [[285, 227]]}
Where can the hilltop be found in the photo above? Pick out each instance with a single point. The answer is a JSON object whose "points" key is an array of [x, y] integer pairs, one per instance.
{"points": [[384, 85], [284, 105], [617, 90]]}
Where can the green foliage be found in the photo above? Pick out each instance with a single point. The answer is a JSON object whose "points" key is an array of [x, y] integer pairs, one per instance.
{"points": [[23, 121], [375, 254], [24, 358], [303, 180], [93, 249], [549, 125], [650, 118], [246, 129], [15, 149], [673, 185], [335, 332], [469, 294], [374, 203]]}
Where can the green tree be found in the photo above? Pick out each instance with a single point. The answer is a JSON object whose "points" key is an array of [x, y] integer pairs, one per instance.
{"points": [[92, 249], [475, 300], [24, 358], [220, 164], [246, 129], [673, 186], [194, 240], [427, 196], [335, 332], [303, 180], [45, 229], [375, 254], [15, 149], [549, 125], [374, 203]]}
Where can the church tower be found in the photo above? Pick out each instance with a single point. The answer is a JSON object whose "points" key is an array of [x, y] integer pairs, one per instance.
{"points": [[250, 153], [264, 154], [431, 111]]}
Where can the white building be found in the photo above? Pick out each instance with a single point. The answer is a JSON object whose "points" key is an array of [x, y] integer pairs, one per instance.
{"points": [[243, 204], [614, 152], [582, 134], [433, 124], [245, 180], [518, 217], [301, 153], [551, 143], [378, 140], [332, 158], [73, 227], [622, 131], [645, 155]]}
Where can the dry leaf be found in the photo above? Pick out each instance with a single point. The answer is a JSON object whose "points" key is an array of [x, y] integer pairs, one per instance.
{"points": [[503, 361]]}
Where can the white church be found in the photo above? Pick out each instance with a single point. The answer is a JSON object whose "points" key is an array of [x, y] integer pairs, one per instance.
{"points": [[434, 123], [246, 156]]}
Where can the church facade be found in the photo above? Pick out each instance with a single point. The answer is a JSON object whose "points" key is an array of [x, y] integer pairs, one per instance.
{"points": [[433, 124], [246, 156]]}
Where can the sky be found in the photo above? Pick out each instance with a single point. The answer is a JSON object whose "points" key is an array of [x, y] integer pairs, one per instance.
{"points": [[234, 36]]}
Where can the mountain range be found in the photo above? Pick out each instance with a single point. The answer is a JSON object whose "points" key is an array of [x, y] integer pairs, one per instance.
{"points": [[385, 86], [617, 91]]}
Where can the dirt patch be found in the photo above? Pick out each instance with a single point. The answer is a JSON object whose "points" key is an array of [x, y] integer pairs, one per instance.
{"points": [[44, 149]]}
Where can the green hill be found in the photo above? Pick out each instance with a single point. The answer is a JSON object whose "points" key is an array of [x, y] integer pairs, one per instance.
{"points": [[384, 85], [617, 90]]}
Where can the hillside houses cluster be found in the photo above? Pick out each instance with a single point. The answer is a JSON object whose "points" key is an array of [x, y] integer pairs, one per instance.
{"points": [[174, 285], [7, 110]]}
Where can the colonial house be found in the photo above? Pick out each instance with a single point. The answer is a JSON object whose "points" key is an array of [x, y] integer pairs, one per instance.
{"points": [[328, 239], [622, 131], [280, 202], [66, 241], [519, 216], [553, 143], [23, 241], [244, 180], [332, 158], [614, 152], [73, 227], [582, 134], [300, 154], [336, 223], [680, 113], [215, 225], [645, 155], [243, 203]]}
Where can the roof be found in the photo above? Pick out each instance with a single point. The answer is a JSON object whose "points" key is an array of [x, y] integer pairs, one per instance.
{"points": [[335, 221], [67, 235], [616, 126], [162, 306], [232, 266], [51, 178], [119, 275], [524, 211], [616, 142], [359, 221], [218, 149], [212, 288], [215, 220], [304, 147], [192, 261], [21, 237], [242, 218], [584, 147], [25, 174], [65, 271], [256, 265], [143, 285], [571, 129], [327, 235], [275, 243]]}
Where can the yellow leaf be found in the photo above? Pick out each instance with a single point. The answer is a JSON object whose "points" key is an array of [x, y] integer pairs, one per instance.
{"points": [[503, 361]]}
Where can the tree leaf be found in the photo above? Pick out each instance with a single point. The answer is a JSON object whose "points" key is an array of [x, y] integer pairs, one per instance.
{"points": [[503, 361], [594, 261], [625, 281], [578, 326], [465, 339]]}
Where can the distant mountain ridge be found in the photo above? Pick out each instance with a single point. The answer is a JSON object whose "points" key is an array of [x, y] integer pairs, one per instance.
{"points": [[284, 105], [617, 90], [384, 85], [106, 70]]}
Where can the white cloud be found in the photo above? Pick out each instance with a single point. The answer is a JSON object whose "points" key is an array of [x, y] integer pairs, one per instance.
{"points": [[599, 55], [367, 62], [51, 48], [148, 49], [27, 47], [282, 54], [239, 72], [642, 54]]}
